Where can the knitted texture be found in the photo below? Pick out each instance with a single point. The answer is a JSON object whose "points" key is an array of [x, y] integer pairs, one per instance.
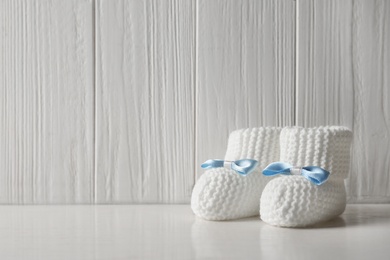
{"points": [[221, 193], [293, 201]]}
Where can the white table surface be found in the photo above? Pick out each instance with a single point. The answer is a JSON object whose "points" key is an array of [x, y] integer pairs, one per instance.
{"points": [[173, 232]]}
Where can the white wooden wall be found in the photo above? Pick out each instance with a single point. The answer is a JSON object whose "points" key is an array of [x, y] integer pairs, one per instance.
{"points": [[145, 62], [343, 78], [46, 102], [120, 101]]}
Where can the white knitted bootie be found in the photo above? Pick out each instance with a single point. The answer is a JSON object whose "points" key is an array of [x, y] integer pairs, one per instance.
{"points": [[223, 194], [294, 200]]}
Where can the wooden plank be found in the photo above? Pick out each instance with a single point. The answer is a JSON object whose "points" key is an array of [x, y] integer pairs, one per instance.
{"points": [[145, 101], [343, 79], [46, 102], [245, 70]]}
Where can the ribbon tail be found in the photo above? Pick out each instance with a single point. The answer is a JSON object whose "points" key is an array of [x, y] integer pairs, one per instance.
{"points": [[316, 175], [212, 164], [277, 168], [244, 166]]}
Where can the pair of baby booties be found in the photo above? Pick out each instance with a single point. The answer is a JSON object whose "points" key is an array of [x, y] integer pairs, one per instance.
{"points": [[285, 200]]}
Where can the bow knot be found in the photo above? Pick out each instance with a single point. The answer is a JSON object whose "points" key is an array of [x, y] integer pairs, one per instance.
{"points": [[315, 174], [242, 167]]}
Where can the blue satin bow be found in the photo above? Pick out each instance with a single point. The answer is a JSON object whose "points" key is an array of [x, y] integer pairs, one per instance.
{"points": [[242, 167], [315, 174]]}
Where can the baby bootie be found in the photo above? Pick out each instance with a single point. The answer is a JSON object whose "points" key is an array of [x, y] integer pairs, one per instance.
{"points": [[306, 196], [224, 194]]}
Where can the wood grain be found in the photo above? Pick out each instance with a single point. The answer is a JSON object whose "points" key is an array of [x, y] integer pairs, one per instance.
{"points": [[46, 102], [245, 69], [145, 101], [343, 78], [121, 101]]}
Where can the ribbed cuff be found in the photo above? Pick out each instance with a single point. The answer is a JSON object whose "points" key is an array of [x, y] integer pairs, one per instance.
{"points": [[260, 143], [325, 146]]}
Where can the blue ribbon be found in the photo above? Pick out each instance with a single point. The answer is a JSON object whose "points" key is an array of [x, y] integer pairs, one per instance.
{"points": [[315, 174], [242, 167]]}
